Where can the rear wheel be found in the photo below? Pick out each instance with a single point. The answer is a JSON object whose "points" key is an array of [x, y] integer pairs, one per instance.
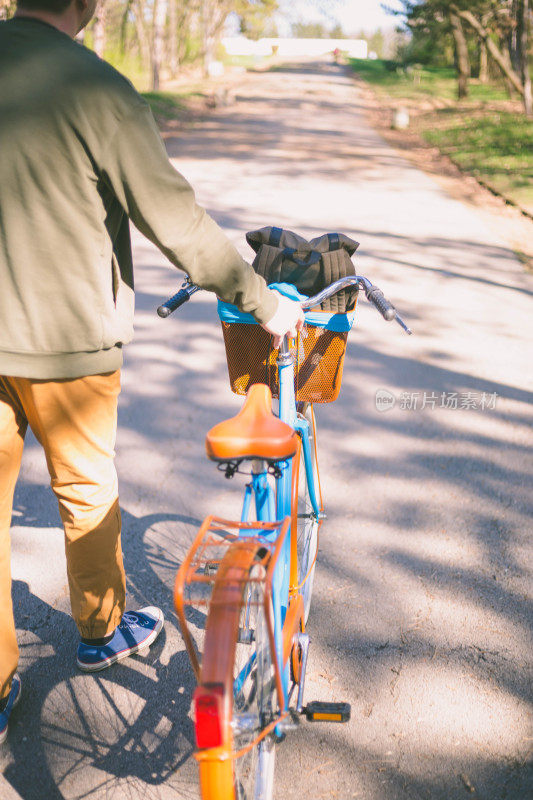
{"points": [[253, 697], [237, 654]]}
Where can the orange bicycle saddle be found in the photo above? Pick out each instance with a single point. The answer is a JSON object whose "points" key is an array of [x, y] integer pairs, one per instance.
{"points": [[254, 433]]}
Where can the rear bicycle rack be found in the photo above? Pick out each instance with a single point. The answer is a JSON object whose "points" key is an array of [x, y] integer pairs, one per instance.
{"points": [[200, 570]]}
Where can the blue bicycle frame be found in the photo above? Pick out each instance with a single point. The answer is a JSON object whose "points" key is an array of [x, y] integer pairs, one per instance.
{"points": [[276, 504]]}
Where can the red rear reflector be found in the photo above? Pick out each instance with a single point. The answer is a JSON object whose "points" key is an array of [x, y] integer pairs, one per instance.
{"points": [[207, 703]]}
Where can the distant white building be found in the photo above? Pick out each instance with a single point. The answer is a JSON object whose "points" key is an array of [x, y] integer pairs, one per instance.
{"points": [[241, 46]]}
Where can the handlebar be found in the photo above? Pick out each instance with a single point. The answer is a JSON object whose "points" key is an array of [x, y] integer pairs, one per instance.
{"points": [[373, 295], [177, 300]]}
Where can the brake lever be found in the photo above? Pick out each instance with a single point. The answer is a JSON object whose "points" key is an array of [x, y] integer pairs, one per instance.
{"points": [[400, 322]]}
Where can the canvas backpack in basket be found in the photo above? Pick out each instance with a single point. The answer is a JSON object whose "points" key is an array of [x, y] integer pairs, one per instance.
{"points": [[285, 257]]}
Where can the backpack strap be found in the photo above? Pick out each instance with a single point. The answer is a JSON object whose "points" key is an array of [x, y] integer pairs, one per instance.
{"points": [[291, 254], [334, 241], [275, 237]]}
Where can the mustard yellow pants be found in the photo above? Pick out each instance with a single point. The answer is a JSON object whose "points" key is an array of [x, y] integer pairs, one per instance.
{"points": [[75, 421]]}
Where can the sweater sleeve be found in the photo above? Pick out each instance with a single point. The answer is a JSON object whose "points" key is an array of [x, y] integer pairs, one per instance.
{"points": [[161, 204]]}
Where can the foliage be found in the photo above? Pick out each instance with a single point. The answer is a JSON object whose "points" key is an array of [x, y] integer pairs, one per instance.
{"points": [[481, 136], [376, 43], [309, 30], [430, 40], [337, 32], [256, 17], [149, 40], [317, 30], [7, 8], [477, 29]]}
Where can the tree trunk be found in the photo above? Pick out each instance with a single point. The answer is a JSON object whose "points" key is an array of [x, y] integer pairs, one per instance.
{"points": [[142, 36], [461, 52], [483, 63], [213, 16], [506, 56], [206, 48], [514, 36], [483, 55], [173, 60], [523, 19], [99, 28], [484, 35], [160, 16], [126, 14]]}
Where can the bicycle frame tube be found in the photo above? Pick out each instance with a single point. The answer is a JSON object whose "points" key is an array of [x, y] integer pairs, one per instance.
{"points": [[269, 506], [247, 502], [287, 401], [288, 414], [265, 508], [264, 497]]}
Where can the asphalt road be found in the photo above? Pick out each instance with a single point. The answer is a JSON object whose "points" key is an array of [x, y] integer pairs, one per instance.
{"points": [[422, 604]]}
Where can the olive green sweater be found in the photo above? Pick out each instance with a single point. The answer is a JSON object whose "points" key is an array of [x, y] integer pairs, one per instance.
{"points": [[80, 154]]}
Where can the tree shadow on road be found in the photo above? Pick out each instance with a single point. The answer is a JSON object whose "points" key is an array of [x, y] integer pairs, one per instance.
{"points": [[476, 501], [121, 731], [450, 511]]}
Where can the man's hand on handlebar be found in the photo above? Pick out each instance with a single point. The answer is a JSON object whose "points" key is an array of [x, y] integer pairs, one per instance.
{"points": [[288, 319]]}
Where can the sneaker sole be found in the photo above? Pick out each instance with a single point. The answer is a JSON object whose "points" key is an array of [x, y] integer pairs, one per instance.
{"points": [[3, 736], [125, 653]]}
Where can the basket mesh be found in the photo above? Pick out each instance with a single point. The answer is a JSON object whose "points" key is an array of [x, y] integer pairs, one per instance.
{"points": [[318, 361]]}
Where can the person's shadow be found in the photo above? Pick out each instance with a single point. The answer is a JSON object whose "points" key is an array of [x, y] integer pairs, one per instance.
{"points": [[120, 733]]}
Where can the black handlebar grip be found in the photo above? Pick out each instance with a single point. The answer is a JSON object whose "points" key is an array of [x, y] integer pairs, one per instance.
{"points": [[379, 301], [173, 303]]}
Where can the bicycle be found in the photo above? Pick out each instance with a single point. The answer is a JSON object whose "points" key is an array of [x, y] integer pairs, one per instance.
{"points": [[251, 582]]}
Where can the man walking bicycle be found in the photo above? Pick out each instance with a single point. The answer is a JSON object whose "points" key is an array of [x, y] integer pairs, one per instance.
{"points": [[80, 156]]}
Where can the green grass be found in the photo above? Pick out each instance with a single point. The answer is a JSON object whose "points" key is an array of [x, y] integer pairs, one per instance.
{"points": [[493, 144], [401, 83], [416, 81], [168, 105]]}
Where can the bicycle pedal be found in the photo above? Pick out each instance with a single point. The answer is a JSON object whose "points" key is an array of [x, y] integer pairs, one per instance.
{"points": [[320, 711]]}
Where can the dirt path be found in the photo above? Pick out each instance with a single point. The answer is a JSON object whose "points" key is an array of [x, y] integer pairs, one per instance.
{"points": [[423, 594]]}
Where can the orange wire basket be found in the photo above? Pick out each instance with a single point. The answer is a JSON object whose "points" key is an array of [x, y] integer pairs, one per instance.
{"points": [[318, 360]]}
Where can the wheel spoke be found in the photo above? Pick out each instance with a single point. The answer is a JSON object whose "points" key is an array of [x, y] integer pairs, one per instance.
{"points": [[253, 698]]}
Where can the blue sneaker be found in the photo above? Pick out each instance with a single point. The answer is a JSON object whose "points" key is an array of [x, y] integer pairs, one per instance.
{"points": [[12, 700], [137, 631]]}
